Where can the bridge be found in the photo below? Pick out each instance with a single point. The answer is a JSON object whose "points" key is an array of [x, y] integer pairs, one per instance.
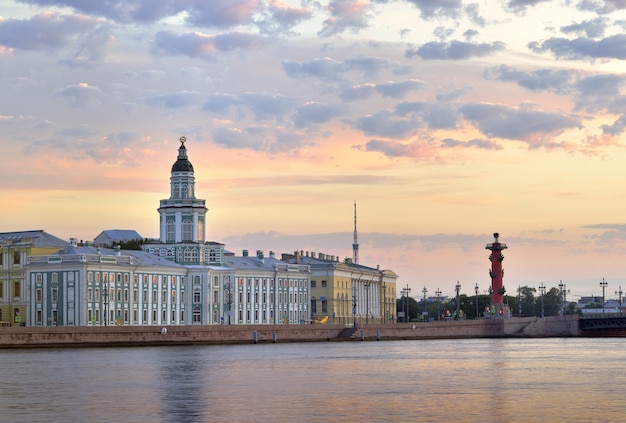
{"points": [[595, 324]]}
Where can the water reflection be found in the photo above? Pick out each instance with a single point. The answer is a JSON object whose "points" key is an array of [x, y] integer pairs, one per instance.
{"points": [[503, 380]]}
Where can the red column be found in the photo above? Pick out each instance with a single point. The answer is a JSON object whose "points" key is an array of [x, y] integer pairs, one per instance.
{"points": [[496, 273]]}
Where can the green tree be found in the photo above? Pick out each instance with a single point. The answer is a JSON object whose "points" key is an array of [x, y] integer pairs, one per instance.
{"points": [[133, 244], [527, 301], [402, 303]]}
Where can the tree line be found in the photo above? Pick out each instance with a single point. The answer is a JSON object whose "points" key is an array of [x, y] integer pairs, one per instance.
{"points": [[527, 303]]}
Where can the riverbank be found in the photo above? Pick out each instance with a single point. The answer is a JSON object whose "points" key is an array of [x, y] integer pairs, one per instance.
{"points": [[98, 336]]}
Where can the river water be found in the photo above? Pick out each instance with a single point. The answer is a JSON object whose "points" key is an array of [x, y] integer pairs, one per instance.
{"points": [[474, 380]]}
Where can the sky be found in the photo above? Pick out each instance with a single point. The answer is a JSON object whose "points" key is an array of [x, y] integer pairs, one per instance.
{"points": [[444, 120]]}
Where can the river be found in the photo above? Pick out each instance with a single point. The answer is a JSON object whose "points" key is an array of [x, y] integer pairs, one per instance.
{"points": [[471, 380]]}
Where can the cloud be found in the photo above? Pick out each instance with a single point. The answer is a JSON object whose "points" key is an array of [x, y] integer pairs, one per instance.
{"points": [[434, 114], [44, 31], [202, 13], [558, 81], [618, 127], [261, 138], [520, 6], [324, 68], [81, 95], [613, 47], [279, 18], [385, 124], [399, 89], [440, 8], [601, 92], [313, 113], [454, 50], [593, 29], [195, 44], [475, 143], [345, 15], [532, 126], [178, 100]]}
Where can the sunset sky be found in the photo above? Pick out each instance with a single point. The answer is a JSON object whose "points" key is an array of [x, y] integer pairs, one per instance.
{"points": [[445, 120]]}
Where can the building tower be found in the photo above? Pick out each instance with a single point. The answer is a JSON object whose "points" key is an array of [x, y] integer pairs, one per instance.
{"points": [[355, 243], [496, 272], [182, 216]]}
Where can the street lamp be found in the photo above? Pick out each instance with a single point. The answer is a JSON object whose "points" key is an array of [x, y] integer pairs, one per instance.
{"points": [[438, 294], [620, 297], [542, 289], [476, 291], [384, 303], [603, 284], [424, 313], [458, 300], [367, 301], [405, 303]]}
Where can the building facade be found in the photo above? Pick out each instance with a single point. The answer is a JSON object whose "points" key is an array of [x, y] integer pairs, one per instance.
{"points": [[15, 248], [346, 292], [183, 279]]}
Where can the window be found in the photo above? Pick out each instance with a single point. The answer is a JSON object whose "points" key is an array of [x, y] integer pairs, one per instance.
{"points": [[39, 316], [1, 259], [256, 297], [164, 297], [154, 296], [196, 297], [248, 296], [89, 295], [144, 298], [313, 284], [323, 284], [135, 296], [54, 317], [126, 295], [97, 277], [97, 296], [196, 316], [18, 290], [55, 278], [16, 257], [39, 295], [171, 230], [187, 230], [216, 298]]}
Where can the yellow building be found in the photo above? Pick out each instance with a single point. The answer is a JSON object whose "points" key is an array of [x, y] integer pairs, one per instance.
{"points": [[15, 247], [343, 292]]}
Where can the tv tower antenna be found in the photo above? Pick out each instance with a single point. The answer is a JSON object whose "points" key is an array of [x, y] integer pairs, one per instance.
{"points": [[355, 244]]}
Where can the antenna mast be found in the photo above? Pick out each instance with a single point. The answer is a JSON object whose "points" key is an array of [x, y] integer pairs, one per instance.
{"points": [[355, 244]]}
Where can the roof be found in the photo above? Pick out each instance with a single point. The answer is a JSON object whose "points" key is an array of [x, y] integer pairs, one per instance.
{"points": [[120, 234], [250, 263], [141, 258], [40, 238]]}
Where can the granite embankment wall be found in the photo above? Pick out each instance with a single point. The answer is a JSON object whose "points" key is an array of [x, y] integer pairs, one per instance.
{"points": [[95, 336]]}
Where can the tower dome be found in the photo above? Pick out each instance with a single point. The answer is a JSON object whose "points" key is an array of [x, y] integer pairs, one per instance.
{"points": [[182, 163]]}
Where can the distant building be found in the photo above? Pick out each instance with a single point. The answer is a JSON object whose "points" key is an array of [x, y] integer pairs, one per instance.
{"points": [[182, 279], [15, 247], [347, 291], [112, 237]]}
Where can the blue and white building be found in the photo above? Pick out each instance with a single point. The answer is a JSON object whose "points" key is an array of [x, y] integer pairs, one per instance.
{"points": [[179, 279]]}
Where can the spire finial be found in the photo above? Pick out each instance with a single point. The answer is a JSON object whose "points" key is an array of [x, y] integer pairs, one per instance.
{"points": [[182, 140]]}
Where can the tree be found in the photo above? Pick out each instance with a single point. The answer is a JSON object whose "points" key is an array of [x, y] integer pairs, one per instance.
{"points": [[552, 302], [133, 244], [527, 301], [402, 303]]}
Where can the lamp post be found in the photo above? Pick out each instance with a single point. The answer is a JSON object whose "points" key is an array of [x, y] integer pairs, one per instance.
{"points": [[367, 301], [405, 293], [476, 291], [561, 286], [105, 299], [620, 297], [458, 299], [542, 289], [384, 303], [603, 284], [424, 312], [438, 294], [354, 305]]}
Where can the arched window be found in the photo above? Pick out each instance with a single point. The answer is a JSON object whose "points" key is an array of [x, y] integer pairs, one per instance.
{"points": [[175, 191], [185, 192]]}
